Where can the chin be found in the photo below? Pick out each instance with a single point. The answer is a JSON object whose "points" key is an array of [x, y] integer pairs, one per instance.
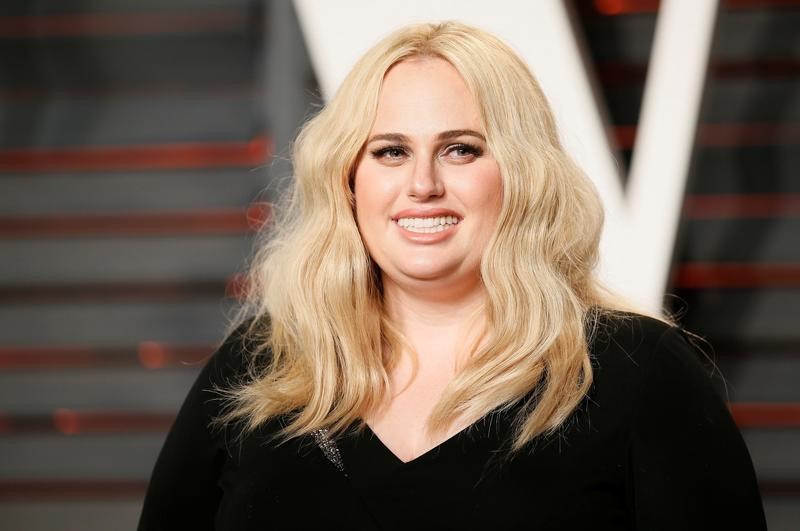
{"points": [[429, 274], [424, 277]]}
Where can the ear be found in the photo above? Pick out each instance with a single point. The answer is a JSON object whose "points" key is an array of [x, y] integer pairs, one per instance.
{"points": [[351, 178], [351, 195]]}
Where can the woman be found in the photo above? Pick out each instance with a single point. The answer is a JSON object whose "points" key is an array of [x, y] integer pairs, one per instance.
{"points": [[428, 347]]}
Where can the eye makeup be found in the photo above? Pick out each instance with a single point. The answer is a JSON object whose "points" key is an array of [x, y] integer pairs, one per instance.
{"points": [[461, 150]]}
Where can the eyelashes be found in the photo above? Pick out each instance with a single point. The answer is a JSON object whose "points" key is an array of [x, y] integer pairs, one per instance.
{"points": [[466, 149], [392, 152], [461, 151]]}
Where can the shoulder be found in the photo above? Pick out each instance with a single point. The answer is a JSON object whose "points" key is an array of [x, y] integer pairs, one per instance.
{"points": [[638, 342], [623, 332], [640, 363], [686, 462], [654, 374], [683, 447], [184, 490], [230, 366], [233, 357]]}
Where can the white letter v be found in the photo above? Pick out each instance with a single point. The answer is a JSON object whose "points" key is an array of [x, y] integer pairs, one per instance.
{"points": [[638, 240]]}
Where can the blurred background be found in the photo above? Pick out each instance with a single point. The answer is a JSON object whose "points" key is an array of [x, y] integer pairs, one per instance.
{"points": [[141, 142]]}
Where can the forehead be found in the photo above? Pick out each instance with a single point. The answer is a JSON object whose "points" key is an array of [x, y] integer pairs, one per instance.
{"points": [[425, 96]]}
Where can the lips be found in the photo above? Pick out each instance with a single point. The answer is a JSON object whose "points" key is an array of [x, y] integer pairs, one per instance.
{"points": [[430, 221], [428, 225], [416, 213]]}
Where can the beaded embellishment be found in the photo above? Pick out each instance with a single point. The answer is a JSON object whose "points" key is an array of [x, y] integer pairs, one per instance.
{"points": [[329, 448]]}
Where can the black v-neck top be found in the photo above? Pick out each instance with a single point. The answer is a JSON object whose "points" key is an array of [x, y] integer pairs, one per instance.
{"points": [[652, 447]]}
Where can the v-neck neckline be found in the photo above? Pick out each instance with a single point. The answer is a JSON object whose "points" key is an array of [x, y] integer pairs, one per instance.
{"points": [[455, 468], [367, 459], [475, 428], [424, 455], [370, 464]]}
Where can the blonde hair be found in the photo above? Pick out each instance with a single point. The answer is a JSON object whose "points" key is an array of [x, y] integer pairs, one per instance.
{"points": [[317, 301]]}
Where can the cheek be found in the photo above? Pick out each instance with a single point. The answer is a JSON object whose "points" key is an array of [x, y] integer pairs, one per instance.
{"points": [[373, 193], [485, 195]]}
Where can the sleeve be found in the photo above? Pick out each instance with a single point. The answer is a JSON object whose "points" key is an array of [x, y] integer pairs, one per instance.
{"points": [[689, 464], [183, 492]]}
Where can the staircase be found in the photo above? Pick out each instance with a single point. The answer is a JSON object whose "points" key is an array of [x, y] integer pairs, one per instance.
{"points": [[136, 158], [141, 143], [736, 275]]}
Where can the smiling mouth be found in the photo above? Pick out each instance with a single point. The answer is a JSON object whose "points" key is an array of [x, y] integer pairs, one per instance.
{"points": [[428, 225]]}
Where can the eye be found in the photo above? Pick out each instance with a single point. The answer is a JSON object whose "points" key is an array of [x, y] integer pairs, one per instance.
{"points": [[462, 152], [389, 153]]}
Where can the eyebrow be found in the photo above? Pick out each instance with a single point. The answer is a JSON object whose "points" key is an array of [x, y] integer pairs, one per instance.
{"points": [[444, 135]]}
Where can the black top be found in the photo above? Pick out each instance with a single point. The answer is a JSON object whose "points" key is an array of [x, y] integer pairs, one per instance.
{"points": [[652, 447]]}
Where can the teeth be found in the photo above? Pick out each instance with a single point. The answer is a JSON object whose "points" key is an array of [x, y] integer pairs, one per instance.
{"points": [[428, 225]]}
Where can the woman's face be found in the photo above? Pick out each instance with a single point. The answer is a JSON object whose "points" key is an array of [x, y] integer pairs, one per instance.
{"points": [[427, 190]]}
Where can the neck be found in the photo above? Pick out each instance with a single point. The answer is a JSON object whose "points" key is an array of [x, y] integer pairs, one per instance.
{"points": [[435, 320], [436, 305]]}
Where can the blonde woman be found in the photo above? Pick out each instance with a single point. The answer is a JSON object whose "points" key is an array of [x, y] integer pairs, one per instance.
{"points": [[426, 345]]}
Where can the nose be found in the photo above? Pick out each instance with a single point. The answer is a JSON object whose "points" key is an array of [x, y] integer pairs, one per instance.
{"points": [[425, 183]]}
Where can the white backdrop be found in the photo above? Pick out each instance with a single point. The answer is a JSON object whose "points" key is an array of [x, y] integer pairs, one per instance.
{"points": [[638, 239]]}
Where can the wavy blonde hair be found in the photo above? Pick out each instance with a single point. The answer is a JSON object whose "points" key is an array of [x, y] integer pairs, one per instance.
{"points": [[317, 300]]}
